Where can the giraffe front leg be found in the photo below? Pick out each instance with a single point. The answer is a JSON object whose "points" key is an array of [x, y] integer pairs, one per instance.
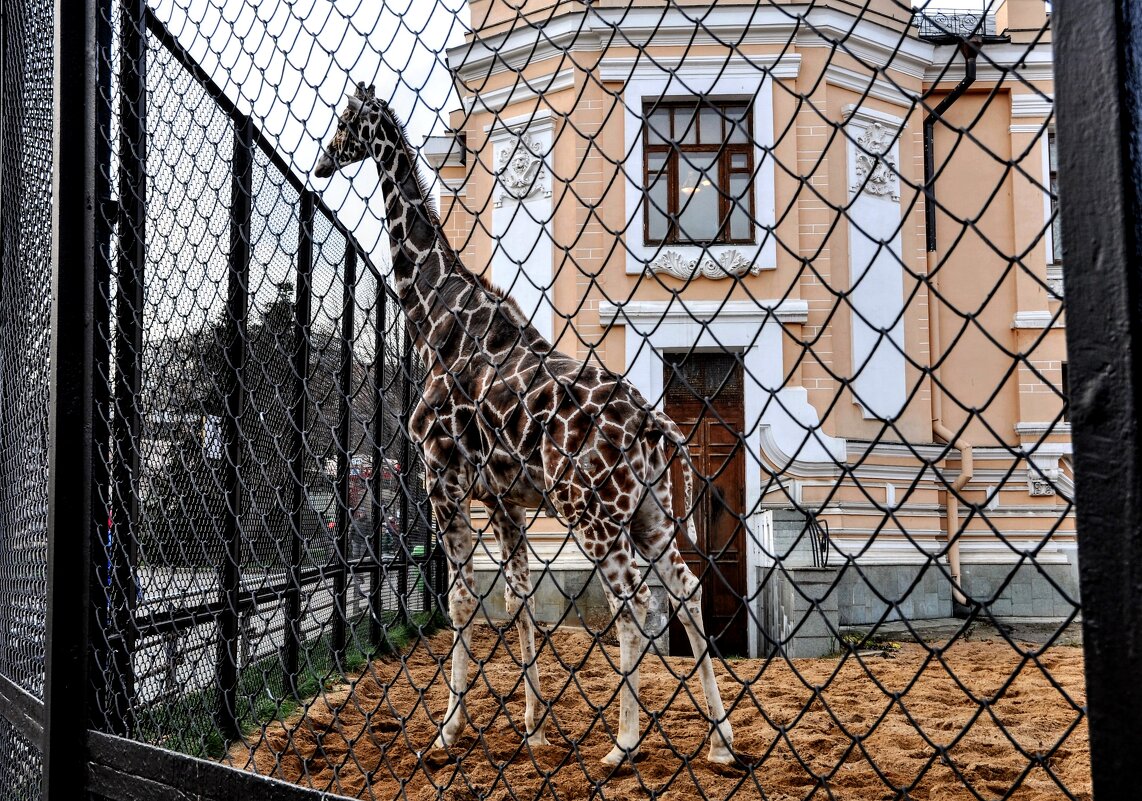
{"points": [[509, 524], [458, 545], [461, 606], [629, 606]]}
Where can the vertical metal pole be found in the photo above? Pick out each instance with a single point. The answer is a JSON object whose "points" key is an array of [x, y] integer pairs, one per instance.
{"points": [[404, 557], [237, 307], [105, 651], [1098, 83], [344, 518], [126, 425], [78, 182], [302, 320], [376, 600]]}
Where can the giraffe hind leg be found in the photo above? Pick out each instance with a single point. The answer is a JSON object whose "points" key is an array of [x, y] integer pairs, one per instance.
{"points": [[656, 544], [629, 599]]}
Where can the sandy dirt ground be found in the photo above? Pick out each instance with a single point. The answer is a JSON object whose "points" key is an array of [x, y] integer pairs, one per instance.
{"points": [[918, 723]]}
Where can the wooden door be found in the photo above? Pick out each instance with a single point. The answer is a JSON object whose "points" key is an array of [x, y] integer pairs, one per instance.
{"points": [[704, 396]]}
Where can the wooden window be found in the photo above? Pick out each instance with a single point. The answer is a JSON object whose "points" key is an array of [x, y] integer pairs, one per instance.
{"points": [[698, 170], [1056, 255]]}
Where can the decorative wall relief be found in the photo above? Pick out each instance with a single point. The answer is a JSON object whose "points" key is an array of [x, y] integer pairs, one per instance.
{"points": [[876, 170], [520, 170], [729, 264]]}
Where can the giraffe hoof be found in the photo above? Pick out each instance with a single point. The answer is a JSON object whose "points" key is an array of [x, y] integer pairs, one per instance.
{"points": [[721, 755], [617, 755], [538, 738], [445, 741], [722, 744]]}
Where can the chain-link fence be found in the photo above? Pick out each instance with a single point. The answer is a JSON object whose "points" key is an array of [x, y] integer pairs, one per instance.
{"points": [[681, 411], [25, 308]]}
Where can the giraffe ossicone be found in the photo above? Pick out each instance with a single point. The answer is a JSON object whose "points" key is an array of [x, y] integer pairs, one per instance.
{"points": [[507, 420]]}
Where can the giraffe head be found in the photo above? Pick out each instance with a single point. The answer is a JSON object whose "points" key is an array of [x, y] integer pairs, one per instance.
{"points": [[356, 128]]}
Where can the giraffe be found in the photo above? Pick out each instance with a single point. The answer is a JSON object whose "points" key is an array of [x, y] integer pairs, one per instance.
{"points": [[507, 420]]}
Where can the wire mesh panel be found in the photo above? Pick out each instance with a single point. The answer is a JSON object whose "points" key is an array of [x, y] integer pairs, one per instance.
{"points": [[697, 369], [25, 307], [258, 542]]}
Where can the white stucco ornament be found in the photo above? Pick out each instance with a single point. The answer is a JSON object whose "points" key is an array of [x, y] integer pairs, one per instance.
{"points": [[520, 169], [729, 264], [876, 171]]}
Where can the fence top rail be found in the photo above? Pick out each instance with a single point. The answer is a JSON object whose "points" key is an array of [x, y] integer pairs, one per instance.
{"points": [[159, 30]]}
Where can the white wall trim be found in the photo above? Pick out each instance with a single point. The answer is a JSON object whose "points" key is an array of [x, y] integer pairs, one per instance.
{"points": [[876, 270], [995, 63], [1041, 429], [704, 68], [1032, 105], [868, 85], [1036, 319], [495, 100], [734, 77], [647, 313]]}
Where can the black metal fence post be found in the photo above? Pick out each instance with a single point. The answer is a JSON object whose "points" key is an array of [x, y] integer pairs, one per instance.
{"points": [[237, 306], [345, 410], [404, 557], [1098, 47], [123, 537], [79, 182], [302, 312], [380, 523]]}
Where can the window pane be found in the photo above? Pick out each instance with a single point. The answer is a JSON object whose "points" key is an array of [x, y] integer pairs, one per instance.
{"points": [[658, 127], [737, 124], [685, 126], [698, 197], [710, 126], [656, 197], [739, 161], [739, 207], [1056, 226]]}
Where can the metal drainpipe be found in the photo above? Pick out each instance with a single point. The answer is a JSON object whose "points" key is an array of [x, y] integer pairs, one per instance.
{"points": [[969, 48]]}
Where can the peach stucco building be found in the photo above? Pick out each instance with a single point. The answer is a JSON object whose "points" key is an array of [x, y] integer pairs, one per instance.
{"points": [[867, 366]]}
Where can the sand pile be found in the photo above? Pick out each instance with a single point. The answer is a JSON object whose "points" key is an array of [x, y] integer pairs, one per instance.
{"points": [[984, 715]]}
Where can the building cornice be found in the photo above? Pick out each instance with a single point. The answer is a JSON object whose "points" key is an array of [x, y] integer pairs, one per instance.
{"points": [[1032, 105], [734, 26], [865, 84], [621, 70], [1018, 64], [642, 313]]}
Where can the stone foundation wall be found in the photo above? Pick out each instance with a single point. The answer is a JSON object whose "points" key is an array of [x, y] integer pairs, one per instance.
{"points": [[575, 597]]}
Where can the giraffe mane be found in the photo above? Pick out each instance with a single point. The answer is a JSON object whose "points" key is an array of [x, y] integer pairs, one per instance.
{"points": [[434, 215], [402, 133]]}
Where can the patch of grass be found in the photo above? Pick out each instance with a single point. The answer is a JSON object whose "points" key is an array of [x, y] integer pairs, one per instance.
{"points": [[851, 643], [187, 724]]}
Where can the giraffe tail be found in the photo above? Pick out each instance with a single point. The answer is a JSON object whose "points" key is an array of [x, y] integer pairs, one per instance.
{"points": [[670, 430]]}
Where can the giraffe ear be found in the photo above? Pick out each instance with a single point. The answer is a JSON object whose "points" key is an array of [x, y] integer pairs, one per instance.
{"points": [[354, 103]]}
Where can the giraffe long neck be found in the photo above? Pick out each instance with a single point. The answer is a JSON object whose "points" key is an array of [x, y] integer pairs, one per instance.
{"points": [[429, 278], [414, 228]]}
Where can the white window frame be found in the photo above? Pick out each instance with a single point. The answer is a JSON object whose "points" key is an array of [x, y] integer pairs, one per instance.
{"points": [[688, 78]]}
